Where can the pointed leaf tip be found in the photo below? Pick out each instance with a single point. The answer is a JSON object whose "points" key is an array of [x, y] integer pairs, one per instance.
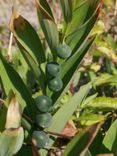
{"points": [[13, 114]]}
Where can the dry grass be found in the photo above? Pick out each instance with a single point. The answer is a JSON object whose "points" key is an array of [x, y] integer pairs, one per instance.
{"points": [[24, 7]]}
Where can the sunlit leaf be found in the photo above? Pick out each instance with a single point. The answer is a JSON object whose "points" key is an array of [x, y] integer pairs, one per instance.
{"points": [[90, 119], [68, 107], [27, 37], [39, 76], [48, 24], [81, 23], [66, 6], [102, 104], [69, 67], [80, 143], [110, 140], [11, 80]]}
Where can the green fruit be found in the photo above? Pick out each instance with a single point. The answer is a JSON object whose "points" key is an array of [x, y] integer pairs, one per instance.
{"points": [[44, 120], [43, 103], [63, 51], [40, 139], [55, 84], [53, 68]]}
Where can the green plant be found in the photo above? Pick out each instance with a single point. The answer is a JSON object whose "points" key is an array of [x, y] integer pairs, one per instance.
{"points": [[53, 63]]}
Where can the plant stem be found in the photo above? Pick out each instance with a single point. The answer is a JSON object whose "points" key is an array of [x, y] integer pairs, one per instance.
{"points": [[28, 118], [59, 134], [10, 46]]}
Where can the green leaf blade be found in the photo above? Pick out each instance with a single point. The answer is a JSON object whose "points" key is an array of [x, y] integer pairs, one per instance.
{"points": [[27, 37], [109, 144], [69, 107], [66, 6], [48, 24], [80, 143], [11, 77], [11, 141]]}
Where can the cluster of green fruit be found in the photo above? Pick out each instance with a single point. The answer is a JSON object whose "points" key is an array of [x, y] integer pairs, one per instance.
{"points": [[44, 103], [43, 120], [53, 68]]}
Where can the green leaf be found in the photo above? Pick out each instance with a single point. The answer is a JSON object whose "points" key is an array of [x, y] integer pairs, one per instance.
{"points": [[11, 80], [25, 124], [109, 144], [66, 6], [33, 66], [88, 153], [79, 15], [25, 150], [111, 42], [68, 69], [3, 113], [102, 104], [81, 23], [90, 119], [88, 99], [78, 146], [96, 144], [11, 141], [68, 107], [66, 111], [27, 37], [48, 24], [105, 79], [73, 62]]}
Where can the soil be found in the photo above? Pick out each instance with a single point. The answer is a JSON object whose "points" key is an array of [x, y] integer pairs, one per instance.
{"points": [[24, 7]]}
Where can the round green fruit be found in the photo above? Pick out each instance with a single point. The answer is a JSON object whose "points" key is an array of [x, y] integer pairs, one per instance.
{"points": [[43, 103], [40, 139], [55, 84], [53, 68], [63, 51], [44, 120]]}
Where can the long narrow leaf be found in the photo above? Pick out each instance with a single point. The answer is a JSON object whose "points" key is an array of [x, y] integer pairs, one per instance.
{"points": [[76, 34], [33, 66], [12, 80], [27, 37], [47, 23], [68, 70], [109, 144], [77, 57], [69, 108], [65, 112], [102, 104], [80, 143], [66, 6]]}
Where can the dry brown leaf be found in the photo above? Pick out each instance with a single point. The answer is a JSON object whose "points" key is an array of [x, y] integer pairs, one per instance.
{"points": [[14, 114], [70, 130]]}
